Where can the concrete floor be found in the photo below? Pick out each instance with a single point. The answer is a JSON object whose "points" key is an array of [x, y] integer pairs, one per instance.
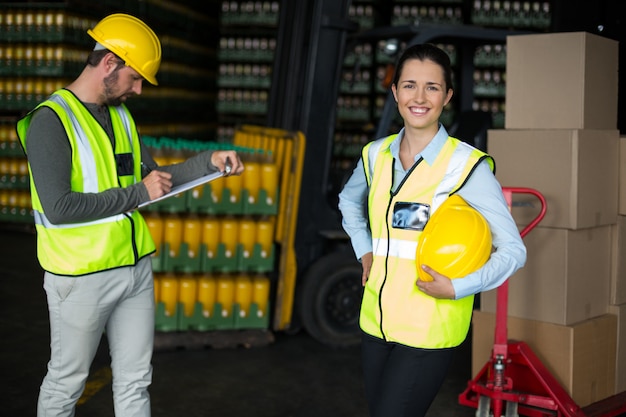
{"points": [[293, 376]]}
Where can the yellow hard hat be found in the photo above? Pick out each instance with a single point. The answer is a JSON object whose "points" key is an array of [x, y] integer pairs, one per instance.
{"points": [[132, 40], [455, 242]]}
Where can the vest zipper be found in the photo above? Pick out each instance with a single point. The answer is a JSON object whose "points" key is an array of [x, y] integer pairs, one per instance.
{"points": [[392, 194], [133, 237], [408, 174], [382, 286]]}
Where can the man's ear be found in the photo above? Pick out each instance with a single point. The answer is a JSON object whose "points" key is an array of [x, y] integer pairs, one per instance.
{"points": [[110, 62]]}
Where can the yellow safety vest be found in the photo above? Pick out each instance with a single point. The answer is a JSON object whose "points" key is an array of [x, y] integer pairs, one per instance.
{"points": [[393, 308], [116, 241]]}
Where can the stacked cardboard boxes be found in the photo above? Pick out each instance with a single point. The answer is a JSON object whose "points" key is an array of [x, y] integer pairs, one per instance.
{"points": [[560, 138], [618, 273]]}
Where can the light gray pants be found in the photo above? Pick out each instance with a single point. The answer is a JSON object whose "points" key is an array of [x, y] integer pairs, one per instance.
{"points": [[81, 308]]}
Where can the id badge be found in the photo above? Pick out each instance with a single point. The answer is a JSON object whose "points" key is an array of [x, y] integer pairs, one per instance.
{"points": [[125, 164], [410, 216]]}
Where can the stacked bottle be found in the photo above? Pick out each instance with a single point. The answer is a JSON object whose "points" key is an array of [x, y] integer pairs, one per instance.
{"points": [[15, 199], [210, 266], [228, 236], [259, 182], [269, 177], [236, 297]]}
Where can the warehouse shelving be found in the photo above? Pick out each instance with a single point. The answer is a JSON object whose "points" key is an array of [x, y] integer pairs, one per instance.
{"points": [[246, 50], [44, 45], [368, 65]]}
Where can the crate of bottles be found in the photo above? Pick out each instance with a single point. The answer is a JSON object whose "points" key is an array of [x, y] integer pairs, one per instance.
{"points": [[206, 243], [205, 302]]}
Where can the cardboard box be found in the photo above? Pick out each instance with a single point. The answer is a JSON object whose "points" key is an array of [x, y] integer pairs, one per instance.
{"points": [[622, 176], [561, 81], [575, 170], [620, 366], [581, 357], [618, 262], [566, 278]]}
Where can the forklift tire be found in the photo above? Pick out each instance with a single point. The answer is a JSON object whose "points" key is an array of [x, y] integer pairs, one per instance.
{"points": [[329, 300]]}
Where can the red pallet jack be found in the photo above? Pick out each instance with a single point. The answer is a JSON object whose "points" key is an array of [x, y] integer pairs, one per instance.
{"points": [[514, 380]]}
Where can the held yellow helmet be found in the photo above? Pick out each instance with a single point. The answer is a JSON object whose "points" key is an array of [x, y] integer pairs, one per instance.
{"points": [[132, 40], [455, 242]]}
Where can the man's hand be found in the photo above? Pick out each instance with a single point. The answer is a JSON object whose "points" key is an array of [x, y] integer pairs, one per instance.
{"points": [[158, 183], [227, 162], [439, 287], [366, 262]]}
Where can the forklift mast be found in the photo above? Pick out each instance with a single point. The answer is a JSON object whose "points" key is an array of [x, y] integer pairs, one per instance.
{"points": [[305, 86]]}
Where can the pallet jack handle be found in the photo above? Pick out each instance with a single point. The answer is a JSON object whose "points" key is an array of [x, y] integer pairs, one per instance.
{"points": [[508, 196], [527, 386], [500, 350]]}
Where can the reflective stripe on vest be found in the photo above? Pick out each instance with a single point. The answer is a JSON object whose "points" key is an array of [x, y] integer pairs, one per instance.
{"points": [[393, 308], [88, 164], [91, 246]]}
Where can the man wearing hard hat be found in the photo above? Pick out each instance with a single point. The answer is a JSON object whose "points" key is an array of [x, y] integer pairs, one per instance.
{"points": [[88, 173]]}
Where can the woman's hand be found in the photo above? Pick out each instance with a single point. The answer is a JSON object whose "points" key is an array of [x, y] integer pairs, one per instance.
{"points": [[439, 287], [366, 262]]}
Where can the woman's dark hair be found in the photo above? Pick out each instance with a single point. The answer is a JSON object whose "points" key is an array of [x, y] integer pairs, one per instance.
{"points": [[422, 52]]}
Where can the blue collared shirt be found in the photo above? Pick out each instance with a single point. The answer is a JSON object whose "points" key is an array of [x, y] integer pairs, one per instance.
{"points": [[482, 191]]}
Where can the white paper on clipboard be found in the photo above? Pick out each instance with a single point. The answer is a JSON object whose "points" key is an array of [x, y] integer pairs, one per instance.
{"points": [[184, 187]]}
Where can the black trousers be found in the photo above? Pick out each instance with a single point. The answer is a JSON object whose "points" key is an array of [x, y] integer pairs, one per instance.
{"points": [[402, 381]]}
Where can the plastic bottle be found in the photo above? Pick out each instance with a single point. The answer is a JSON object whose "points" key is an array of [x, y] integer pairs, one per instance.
{"points": [[217, 189], [14, 169], [207, 294], [243, 294], [229, 235], [251, 176], [4, 130], [234, 183], [156, 278], [226, 294], [261, 293], [12, 203], [187, 293], [168, 294], [24, 200], [173, 233], [247, 235], [159, 155], [22, 168], [155, 224], [210, 235], [265, 235], [4, 198], [4, 170], [269, 178], [192, 234], [177, 154]]}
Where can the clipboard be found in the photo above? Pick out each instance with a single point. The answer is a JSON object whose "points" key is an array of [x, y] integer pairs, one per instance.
{"points": [[184, 187]]}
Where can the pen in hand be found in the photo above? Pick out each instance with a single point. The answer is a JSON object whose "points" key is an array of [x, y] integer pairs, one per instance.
{"points": [[146, 169]]}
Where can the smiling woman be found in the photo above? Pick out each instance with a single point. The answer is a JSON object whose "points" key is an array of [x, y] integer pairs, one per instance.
{"points": [[411, 327]]}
